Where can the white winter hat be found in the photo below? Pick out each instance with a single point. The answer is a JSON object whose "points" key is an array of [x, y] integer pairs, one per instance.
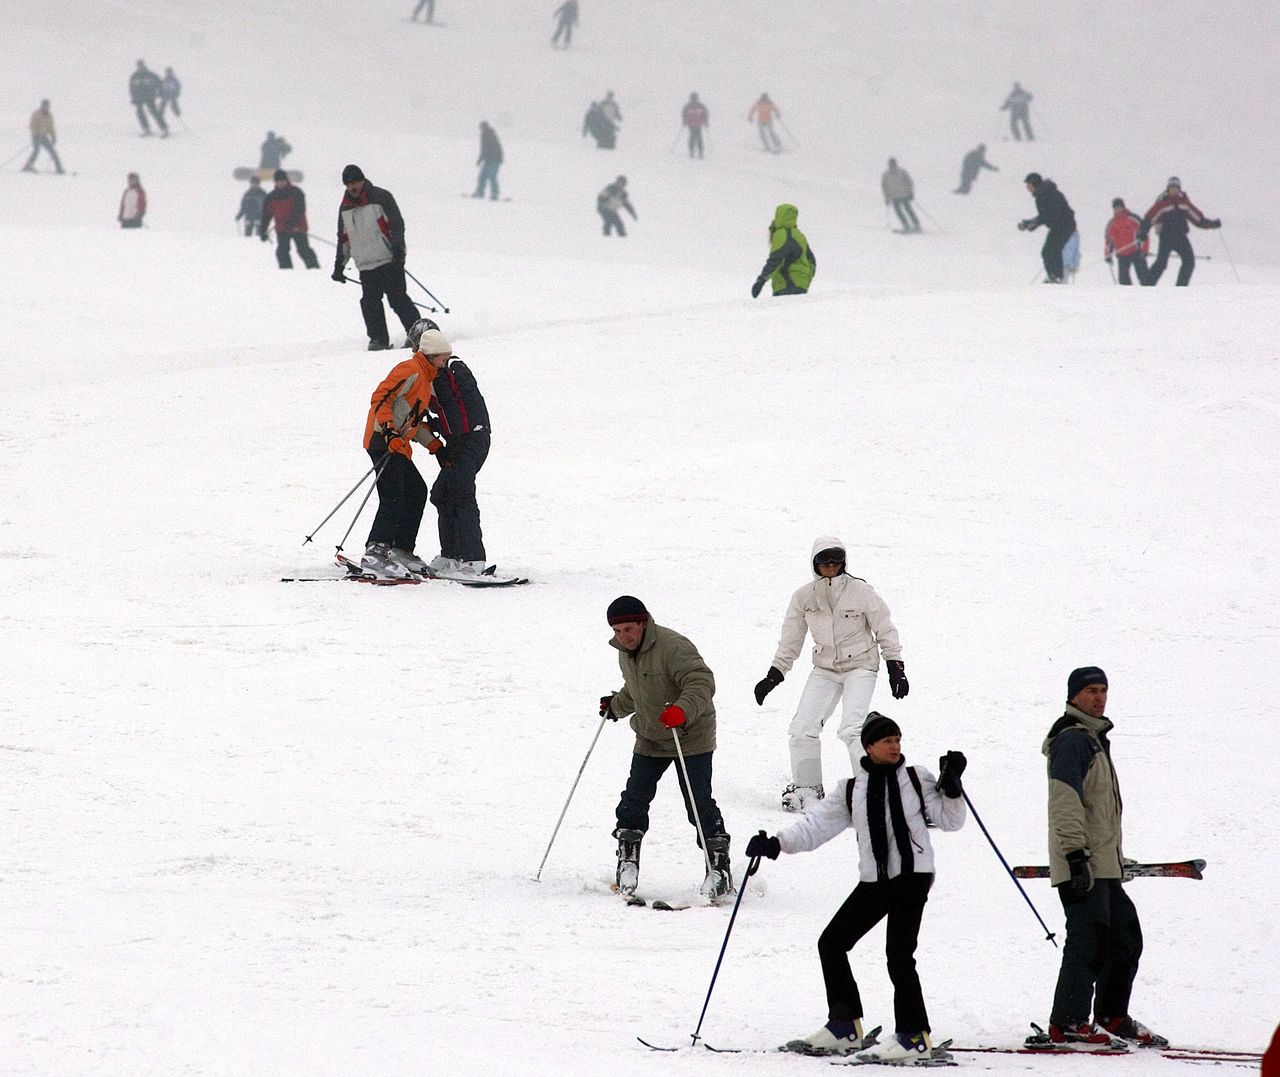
{"points": [[434, 342]]}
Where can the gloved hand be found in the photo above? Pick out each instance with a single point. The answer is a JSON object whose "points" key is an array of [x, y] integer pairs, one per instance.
{"points": [[1023, 225], [434, 446], [262, 234], [397, 253], [763, 845], [755, 288], [950, 767], [338, 275], [444, 457], [392, 437], [1215, 223], [1107, 259], [606, 708], [898, 683], [771, 681], [673, 717], [1081, 881]]}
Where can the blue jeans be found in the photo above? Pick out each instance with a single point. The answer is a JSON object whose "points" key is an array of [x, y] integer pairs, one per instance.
{"points": [[488, 175]]}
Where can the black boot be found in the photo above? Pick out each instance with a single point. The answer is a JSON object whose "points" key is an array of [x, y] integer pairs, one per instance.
{"points": [[628, 877], [719, 880]]}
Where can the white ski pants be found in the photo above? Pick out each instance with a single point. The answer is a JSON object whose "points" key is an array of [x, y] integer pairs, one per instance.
{"points": [[822, 691]]}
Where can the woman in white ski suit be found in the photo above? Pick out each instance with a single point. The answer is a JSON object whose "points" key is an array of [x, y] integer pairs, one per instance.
{"points": [[850, 626]]}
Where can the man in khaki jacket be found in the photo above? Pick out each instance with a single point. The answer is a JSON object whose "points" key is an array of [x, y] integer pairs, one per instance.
{"points": [[668, 690], [43, 137]]}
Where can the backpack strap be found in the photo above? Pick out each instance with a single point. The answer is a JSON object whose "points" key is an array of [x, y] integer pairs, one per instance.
{"points": [[915, 781], [848, 796]]}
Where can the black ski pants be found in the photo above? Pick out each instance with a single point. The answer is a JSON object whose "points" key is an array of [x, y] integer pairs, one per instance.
{"points": [[564, 28], [386, 280], [454, 496], [902, 900], [1051, 252], [1101, 953], [402, 495], [612, 222], [642, 786], [1187, 257], [907, 215], [144, 107], [305, 252], [1137, 263]]}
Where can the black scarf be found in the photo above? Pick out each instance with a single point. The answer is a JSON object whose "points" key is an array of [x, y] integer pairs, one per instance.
{"points": [[882, 777]]}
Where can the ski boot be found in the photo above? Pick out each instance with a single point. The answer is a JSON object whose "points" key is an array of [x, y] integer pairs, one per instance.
{"points": [[901, 1048], [378, 561], [801, 797], [719, 880], [628, 877], [1126, 1028], [836, 1037], [1085, 1036], [411, 561]]}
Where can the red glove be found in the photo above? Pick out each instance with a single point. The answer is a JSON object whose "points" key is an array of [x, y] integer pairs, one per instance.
{"points": [[673, 717]]}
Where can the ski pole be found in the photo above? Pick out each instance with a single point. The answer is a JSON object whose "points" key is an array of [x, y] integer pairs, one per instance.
{"points": [[339, 504], [572, 789], [379, 467], [13, 157], [427, 290], [752, 868], [978, 819], [693, 804], [1112, 269], [420, 306], [787, 129], [932, 219], [1227, 252], [321, 239]]}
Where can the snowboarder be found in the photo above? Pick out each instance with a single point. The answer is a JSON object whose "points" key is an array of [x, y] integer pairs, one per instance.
{"points": [[1121, 242], [898, 192], [133, 203], [170, 90], [566, 16], [791, 263], [251, 205], [397, 416], [286, 207], [371, 231], [696, 118], [889, 806], [144, 88], [851, 628], [274, 150], [763, 112], [599, 126], [43, 137], [611, 110], [1051, 210], [1018, 104], [1104, 939], [974, 161], [1169, 217], [609, 201], [668, 691], [425, 5], [490, 160]]}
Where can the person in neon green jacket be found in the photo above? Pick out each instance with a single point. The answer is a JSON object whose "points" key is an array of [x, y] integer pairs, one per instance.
{"points": [[791, 263]]}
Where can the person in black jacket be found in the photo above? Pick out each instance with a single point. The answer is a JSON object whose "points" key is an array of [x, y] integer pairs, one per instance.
{"points": [[287, 207], [1051, 210], [144, 88], [251, 205], [974, 161], [490, 160], [1170, 215]]}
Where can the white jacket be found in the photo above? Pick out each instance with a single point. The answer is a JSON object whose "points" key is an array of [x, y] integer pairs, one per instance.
{"points": [[830, 818], [848, 621]]}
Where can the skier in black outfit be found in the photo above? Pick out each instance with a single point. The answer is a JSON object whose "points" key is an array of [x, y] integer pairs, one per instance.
{"points": [[974, 161], [599, 126], [144, 88], [1170, 215], [251, 205], [609, 201], [566, 16], [1051, 210]]}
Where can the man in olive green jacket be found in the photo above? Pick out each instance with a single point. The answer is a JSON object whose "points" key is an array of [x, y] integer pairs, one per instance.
{"points": [[791, 263], [667, 690]]}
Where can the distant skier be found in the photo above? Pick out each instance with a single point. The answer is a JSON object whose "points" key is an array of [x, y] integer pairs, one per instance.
{"points": [[490, 160], [43, 137], [696, 118], [763, 112], [1053, 211], [611, 109], [286, 208], [566, 16], [425, 5], [974, 161], [1170, 215], [898, 192], [170, 91], [274, 150], [133, 203], [597, 124], [144, 88], [251, 205], [1121, 242], [609, 201], [1018, 104], [791, 262]]}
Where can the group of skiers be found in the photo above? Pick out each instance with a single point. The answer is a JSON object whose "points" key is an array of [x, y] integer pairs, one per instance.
{"points": [[151, 95]]}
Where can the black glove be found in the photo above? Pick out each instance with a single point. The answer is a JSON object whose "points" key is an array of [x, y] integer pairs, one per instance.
{"points": [[1107, 259], [1081, 881], [950, 767], [771, 681], [397, 253], [763, 845], [338, 275], [1215, 223], [262, 234], [443, 457], [1142, 235], [898, 683], [606, 708], [755, 288]]}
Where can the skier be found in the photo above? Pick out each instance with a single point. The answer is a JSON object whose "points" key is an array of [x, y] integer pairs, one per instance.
{"points": [[898, 192], [170, 90], [610, 109], [974, 161], [286, 207], [696, 118], [274, 151], [1018, 104], [851, 628], [251, 205], [397, 416], [599, 126], [43, 137], [1169, 217], [609, 201], [371, 231], [1104, 939], [1120, 241], [144, 87], [668, 691], [133, 203], [889, 806], [1051, 210], [566, 16], [763, 112], [429, 6], [490, 160], [791, 263]]}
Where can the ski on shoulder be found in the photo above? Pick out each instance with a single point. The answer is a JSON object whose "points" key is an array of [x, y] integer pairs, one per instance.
{"points": [[1182, 869]]}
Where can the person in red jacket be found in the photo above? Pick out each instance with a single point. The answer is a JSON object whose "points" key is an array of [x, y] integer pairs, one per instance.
{"points": [[1121, 242], [133, 203], [1169, 217], [286, 207]]}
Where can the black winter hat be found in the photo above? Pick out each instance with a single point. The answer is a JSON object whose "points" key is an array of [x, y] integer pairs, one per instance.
{"points": [[625, 608], [351, 173], [280, 174], [1034, 177], [877, 727], [1082, 678]]}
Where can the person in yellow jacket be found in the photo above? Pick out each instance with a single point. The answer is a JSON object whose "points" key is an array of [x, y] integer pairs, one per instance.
{"points": [[791, 263], [43, 137]]}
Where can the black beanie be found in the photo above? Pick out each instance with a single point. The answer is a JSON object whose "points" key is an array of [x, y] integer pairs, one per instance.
{"points": [[1082, 678], [352, 172], [280, 174], [625, 608], [877, 727], [1034, 179]]}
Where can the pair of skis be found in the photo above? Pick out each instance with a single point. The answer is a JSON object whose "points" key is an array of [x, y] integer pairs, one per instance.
{"points": [[1182, 869], [356, 574]]}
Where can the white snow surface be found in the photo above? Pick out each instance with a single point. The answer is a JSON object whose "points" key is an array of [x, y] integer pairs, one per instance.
{"points": [[257, 827]]}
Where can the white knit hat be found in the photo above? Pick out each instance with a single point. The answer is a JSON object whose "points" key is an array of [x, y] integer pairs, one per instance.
{"points": [[434, 342]]}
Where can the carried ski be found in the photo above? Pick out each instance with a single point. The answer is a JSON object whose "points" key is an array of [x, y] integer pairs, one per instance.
{"points": [[1183, 869], [265, 174]]}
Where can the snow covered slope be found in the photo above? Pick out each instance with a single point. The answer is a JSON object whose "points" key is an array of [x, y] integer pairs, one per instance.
{"points": [[261, 827]]}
